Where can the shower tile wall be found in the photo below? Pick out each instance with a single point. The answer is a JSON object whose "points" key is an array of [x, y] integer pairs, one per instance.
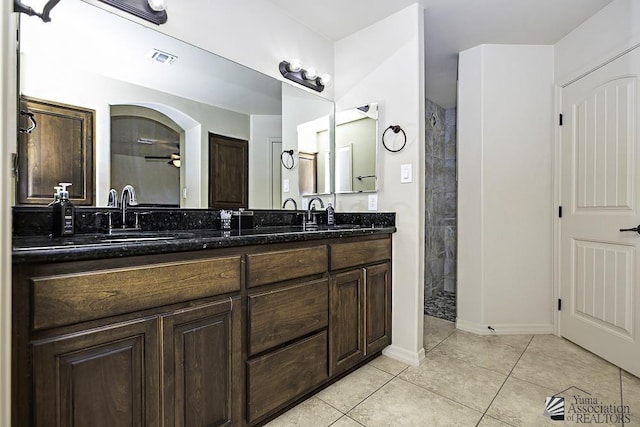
{"points": [[450, 201], [440, 200]]}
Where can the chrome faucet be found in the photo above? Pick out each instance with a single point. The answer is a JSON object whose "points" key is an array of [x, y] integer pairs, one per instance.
{"points": [[127, 197], [311, 219], [112, 201], [295, 205]]}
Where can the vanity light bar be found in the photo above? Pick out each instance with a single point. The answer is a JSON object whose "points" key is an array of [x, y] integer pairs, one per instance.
{"points": [[308, 78]]}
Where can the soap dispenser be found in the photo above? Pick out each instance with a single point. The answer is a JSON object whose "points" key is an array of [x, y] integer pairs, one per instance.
{"points": [[63, 213], [331, 215], [56, 196]]}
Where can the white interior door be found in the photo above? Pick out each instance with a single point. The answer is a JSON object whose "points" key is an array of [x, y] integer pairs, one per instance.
{"points": [[600, 285], [275, 172]]}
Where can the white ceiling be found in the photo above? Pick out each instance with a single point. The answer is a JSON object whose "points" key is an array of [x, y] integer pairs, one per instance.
{"points": [[451, 26]]}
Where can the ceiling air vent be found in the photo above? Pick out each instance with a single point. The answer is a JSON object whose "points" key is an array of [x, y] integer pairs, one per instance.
{"points": [[162, 57]]}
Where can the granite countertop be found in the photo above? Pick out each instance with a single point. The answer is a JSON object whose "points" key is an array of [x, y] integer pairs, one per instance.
{"points": [[28, 249]]}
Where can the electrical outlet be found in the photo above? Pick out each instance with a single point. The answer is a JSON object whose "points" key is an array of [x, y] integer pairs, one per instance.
{"points": [[285, 185], [184, 193], [373, 202]]}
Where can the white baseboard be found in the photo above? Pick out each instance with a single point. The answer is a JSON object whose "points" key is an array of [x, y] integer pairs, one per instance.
{"points": [[413, 358], [505, 329]]}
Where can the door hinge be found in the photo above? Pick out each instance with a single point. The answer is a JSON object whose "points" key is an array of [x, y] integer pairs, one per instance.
{"points": [[559, 304], [559, 211], [560, 120]]}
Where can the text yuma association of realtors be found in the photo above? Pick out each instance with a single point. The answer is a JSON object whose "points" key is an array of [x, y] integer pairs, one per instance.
{"points": [[589, 410]]}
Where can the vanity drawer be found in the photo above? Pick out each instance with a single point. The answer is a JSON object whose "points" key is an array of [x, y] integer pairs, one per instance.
{"points": [[345, 255], [283, 375], [285, 265], [283, 315], [73, 298]]}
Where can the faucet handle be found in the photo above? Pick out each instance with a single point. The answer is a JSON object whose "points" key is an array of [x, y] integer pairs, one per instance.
{"points": [[137, 217], [109, 219]]}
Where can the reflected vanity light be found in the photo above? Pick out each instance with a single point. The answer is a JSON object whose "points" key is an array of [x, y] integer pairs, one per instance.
{"points": [[150, 10], [309, 77]]}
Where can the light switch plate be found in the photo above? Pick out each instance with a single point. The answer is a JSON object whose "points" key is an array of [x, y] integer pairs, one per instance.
{"points": [[372, 204], [405, 173], [285, 185]]}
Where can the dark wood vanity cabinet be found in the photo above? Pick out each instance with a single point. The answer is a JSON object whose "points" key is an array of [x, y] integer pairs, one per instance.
{"points": [[287, 319], [193, 339], [198, 350], [102, 377], [360, 302], [95, 362]]}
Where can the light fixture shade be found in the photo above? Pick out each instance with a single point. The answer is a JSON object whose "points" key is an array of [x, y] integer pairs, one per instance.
{"points": [[142, 9], [294, 65], [325, 79], [308, 78], [310, 73], [157, 5]]}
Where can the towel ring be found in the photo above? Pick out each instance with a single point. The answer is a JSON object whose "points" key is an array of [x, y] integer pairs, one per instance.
{"points": [[395, 129], [288, 164], [33, 123]]}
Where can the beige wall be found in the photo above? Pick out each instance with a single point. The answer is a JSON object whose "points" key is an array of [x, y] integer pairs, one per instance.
{"points": [[505, 193], [385, 63], [7, 144]]}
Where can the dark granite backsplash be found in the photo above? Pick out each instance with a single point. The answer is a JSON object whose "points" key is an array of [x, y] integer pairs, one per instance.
{"points": [[36, 221]]}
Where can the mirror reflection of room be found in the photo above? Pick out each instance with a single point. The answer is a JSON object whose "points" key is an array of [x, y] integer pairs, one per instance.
{"points": [[356, 135], [314, 145], [145, 153]]}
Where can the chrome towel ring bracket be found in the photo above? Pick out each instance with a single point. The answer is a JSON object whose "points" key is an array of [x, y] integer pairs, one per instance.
{"points": [[396, 129]]}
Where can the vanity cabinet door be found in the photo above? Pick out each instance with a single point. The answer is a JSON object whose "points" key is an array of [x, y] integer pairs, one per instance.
{"points": [[378, 307], [360, 315], [202, 367], [100, 377], [347, 343]]}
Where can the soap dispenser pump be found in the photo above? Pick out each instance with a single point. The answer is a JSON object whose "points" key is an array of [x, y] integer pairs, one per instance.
{"points": [[63, 213], [56, 195]]}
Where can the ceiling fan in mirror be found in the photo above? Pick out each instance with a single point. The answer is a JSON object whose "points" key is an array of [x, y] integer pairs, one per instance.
{"points": [[174, 159]]}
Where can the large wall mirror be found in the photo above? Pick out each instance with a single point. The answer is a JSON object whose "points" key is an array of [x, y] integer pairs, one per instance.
{"points": [[158, 102]]}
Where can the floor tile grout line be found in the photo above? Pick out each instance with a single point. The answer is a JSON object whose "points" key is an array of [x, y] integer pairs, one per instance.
{"points": [[441, 395], [345, 415], [371, 394], [368, 396], [505, 381], [436, 346], [450, 355]]}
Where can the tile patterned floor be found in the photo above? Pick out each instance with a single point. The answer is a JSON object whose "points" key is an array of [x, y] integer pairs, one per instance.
{"points": [[441, 305], [471, 380]]}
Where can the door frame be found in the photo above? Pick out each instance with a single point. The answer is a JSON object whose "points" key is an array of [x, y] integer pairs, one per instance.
{"points": [[273, 141], [557, 170]]}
